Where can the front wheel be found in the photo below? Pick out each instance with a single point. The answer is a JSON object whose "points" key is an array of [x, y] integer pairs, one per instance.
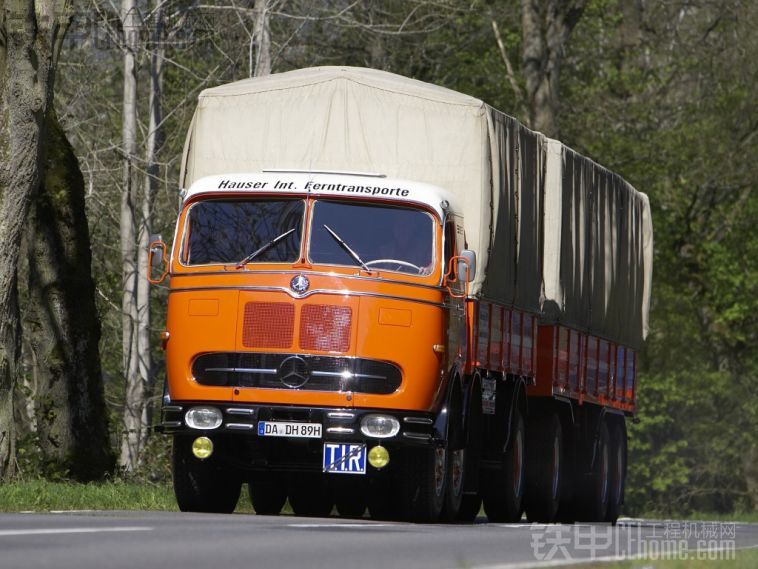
{"points": [[202, 485], [350, 497], [268, 494], [310, 496], [425, 485]]}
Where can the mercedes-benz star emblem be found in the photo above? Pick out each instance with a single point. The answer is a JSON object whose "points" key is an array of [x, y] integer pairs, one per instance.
{"points": [[294, 372], [300, 284]]}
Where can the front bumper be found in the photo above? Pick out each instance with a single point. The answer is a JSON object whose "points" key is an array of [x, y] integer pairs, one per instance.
{"points": [[238, 443]]}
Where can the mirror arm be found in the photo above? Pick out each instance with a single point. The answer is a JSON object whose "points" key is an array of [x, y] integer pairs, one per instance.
{"points": [[452, 264]]}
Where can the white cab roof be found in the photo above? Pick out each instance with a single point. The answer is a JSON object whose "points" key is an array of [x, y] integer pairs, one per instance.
{"points": [[350, 185]]}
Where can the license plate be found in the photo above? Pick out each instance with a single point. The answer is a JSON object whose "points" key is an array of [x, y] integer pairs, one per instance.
{"points": [[345, 458], [286, 429]]}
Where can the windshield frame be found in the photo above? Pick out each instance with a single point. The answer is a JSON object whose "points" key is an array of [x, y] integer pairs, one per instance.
{"points": [[183, 235], [371, 203]]}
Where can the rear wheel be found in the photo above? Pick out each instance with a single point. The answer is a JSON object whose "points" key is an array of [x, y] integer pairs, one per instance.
{"points": [[202, 485], [268, 494], [310, 496], [502, 489], [544, 468], [470, 507], [617, 472], [594, 506]]}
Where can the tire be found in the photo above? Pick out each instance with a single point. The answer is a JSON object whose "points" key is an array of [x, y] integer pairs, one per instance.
{"points": [[350, 498], [424, 487], [310, 496], [594, 506], [544, 468], [502, 489], [457, 456], [202, 485], [471, 501], [384, 500], [268, 494], [471, 505], [617, 478]]}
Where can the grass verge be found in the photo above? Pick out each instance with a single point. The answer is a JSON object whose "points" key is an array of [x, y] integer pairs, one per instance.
{"points": [[744, 559], [743, 517], [44, 496]]}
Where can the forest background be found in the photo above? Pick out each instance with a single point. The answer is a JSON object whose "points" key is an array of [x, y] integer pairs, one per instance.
{"points": [[97, 98]]}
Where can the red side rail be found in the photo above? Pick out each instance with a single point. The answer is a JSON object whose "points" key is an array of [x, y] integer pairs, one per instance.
{"points": [[556, 359]]}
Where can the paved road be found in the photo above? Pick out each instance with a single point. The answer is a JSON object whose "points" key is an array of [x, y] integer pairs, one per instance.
{"points": [[100, 540]]}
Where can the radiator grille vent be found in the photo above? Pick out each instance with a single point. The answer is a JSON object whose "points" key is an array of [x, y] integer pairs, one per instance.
{"points": [[325, 328], [268, 325]]}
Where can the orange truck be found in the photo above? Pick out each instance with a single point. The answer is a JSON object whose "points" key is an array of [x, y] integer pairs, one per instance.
{"points": [[385, 294]]}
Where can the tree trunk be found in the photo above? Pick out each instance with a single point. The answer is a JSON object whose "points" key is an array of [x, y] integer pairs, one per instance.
{"points": [[154, 137], [132, 440], [262, 39], [29, 45], [546, 26], [62, 326]]}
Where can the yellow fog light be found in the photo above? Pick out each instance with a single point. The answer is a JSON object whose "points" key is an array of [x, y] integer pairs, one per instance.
{"points": [[378, 457], [202, 447]]}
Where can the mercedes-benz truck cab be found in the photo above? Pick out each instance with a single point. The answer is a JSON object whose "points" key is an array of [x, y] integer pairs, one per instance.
{"points": [[314, 323]]}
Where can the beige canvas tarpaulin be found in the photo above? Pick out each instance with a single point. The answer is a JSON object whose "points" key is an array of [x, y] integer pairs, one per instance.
{"points": [[555, 233]]}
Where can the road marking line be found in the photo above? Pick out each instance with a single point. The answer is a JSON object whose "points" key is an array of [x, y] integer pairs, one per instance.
{"points": [[71, 511], [338, 525], [50, 531]]}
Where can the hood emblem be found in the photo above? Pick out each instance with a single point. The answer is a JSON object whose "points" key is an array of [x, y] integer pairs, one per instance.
{"points": [[300, 284], [294, 372]]}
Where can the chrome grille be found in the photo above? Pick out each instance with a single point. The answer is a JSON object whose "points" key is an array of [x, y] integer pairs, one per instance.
{"points": [[292, 371]]}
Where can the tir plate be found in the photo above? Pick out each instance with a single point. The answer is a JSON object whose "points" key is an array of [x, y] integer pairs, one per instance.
{"points": [[345, 458], [287, 429]]}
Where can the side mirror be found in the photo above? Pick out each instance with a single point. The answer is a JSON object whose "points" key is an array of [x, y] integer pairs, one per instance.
{"points": [[467, 265], [156, 259]]}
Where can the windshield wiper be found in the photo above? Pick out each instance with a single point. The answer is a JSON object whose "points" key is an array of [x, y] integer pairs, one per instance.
{"points": [[260, 250], [347, 248]]}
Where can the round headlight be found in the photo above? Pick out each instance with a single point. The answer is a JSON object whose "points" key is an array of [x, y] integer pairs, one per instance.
{"points": [[203, 418], [202, 447], [378, 457], [380, 426]]}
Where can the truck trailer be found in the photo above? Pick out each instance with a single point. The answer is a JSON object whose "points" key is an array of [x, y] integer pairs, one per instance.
{"points": [[388, 295]]}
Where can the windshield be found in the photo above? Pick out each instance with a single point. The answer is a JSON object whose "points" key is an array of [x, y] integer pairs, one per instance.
{"points": [[378, 237], [230, 231]]}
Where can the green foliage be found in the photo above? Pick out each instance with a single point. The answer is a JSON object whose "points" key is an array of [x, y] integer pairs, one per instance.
{"points": [[667, 100], [672, 111]]}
